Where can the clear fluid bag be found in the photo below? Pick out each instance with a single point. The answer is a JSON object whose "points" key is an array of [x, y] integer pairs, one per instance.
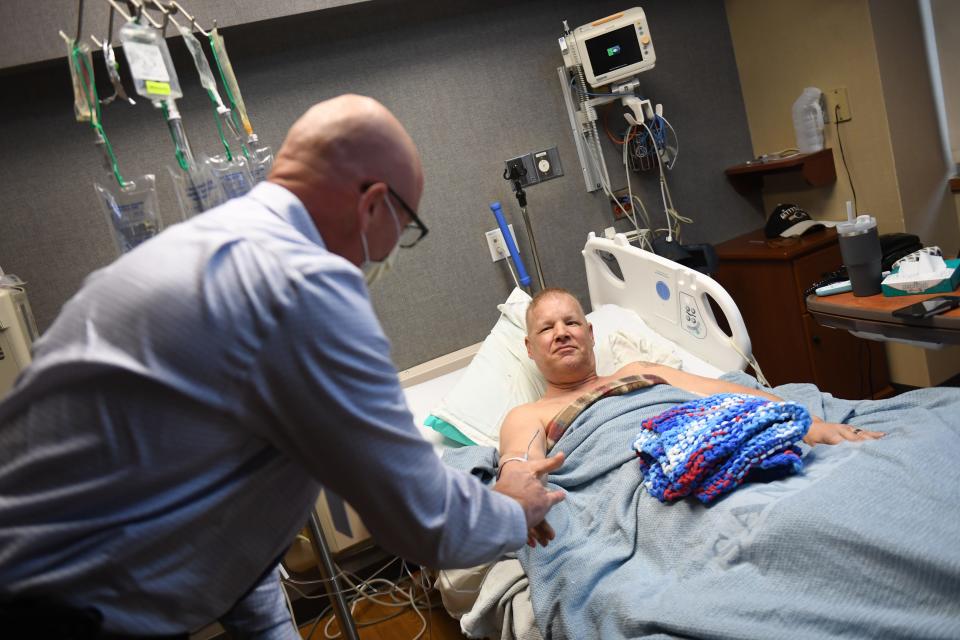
{"points": [[197, 191], [261, 161], [131, 211], [233, 176], [149, 62]]}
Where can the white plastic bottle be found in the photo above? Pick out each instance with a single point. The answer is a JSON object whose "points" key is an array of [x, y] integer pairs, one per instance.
{"points": [[808, 120]]}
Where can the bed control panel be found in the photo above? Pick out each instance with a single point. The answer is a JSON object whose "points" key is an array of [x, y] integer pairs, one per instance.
{"points": [[690, 317]]}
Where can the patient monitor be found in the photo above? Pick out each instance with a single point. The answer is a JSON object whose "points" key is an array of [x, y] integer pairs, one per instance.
{"points": [[615, 48], [609, 52]]}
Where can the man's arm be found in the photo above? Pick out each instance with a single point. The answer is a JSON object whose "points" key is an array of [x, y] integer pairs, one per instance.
{"points": [[329, 398], [820, 432]]}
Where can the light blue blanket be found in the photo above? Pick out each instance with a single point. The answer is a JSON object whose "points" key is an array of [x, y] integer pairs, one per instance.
{"points": [[864, 544]]}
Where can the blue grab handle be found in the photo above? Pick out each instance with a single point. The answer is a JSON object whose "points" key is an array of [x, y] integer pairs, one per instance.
{"points": [[511, 245]]}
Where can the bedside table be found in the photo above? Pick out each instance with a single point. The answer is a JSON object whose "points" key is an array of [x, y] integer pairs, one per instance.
{"points": [[767, 278]]}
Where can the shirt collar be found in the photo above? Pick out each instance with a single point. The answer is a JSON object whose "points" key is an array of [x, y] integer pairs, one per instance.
{"points": [[287, 207]]}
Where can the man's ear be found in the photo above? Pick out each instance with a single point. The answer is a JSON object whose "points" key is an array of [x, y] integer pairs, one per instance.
{"points": [[368, 203], [593, 338], [526, 342]]}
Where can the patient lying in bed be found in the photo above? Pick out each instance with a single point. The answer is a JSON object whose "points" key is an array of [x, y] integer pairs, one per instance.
{"points": [[560, 341], [860, 544]]}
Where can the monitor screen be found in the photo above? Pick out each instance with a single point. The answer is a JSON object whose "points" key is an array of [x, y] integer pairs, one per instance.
{"points": [[614, 50]]}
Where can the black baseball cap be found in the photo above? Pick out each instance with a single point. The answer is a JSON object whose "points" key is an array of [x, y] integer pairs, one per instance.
{"points": [[790, 221]]}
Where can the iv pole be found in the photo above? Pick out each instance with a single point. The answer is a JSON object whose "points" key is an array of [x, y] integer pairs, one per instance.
{"points": [[514, 174]]}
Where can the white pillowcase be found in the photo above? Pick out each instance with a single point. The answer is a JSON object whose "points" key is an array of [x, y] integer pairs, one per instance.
{"points": [[502, 376]]}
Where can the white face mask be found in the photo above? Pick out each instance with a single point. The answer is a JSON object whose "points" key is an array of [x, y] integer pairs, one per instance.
{"points": [[374, 269]]}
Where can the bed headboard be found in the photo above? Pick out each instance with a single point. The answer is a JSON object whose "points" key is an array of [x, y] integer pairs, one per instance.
{"points": [[671, 299]]}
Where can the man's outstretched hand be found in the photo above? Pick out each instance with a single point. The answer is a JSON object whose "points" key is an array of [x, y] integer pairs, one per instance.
{"points": [[522, 481], [830, 433]]}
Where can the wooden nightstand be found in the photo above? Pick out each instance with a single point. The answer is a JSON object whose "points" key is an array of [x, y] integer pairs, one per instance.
{"points": [[767, 278]]}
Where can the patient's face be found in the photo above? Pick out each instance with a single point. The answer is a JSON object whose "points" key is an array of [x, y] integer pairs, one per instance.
{"points": [[560, 340]]}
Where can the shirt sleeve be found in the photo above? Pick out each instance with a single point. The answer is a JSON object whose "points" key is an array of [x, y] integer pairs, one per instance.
{"points": [[329, 398]]}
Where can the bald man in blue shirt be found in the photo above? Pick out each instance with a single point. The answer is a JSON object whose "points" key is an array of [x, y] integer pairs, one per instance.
{"points": [[180, 415]]}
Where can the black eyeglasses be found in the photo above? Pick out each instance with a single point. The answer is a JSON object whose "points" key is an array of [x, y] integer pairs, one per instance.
{"points": [[413, 232]]}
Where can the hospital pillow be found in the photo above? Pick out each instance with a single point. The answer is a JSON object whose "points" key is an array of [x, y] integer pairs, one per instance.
{"points": [[502, 376]]}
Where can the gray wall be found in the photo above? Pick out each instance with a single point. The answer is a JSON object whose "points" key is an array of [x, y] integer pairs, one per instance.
{"points": [[31, 22], [475, 83]]}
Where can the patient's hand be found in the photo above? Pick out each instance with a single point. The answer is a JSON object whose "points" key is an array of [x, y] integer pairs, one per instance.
{"points": [[522, 482], [830, 433], [542, 533]]}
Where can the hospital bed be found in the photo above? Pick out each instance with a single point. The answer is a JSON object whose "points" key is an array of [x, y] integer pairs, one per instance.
{"points": [[632, 292], [861, 544]]}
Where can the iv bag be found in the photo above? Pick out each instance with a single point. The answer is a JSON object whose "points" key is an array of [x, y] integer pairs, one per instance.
{"points": [[261, 161], [131, 211], [197, 191], [113, 72], [207, 81], [233, 176], [229, 79], [83, 95], [148, 59]]}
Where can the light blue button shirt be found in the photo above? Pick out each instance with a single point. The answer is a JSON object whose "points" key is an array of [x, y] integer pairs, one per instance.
{"points": [[167, 442]]}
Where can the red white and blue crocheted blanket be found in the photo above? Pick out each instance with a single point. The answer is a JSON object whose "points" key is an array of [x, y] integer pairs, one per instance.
{"points": [[709, 447]]}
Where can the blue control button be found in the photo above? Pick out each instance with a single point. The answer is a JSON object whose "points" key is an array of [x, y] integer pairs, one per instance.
{"points": [[663, 290]]}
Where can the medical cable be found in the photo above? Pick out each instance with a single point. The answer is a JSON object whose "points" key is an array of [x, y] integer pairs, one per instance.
{"points": [[341, 573], [843, 156], [512, 272], [673, 217], [666, 209], [676, 139], [408, 600], [762, 379], [286, 598], [365, 589], [442, 575], [634, 200]]}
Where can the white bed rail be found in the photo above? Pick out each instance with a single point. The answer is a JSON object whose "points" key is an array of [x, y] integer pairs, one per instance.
{"points": [[671, 299]]}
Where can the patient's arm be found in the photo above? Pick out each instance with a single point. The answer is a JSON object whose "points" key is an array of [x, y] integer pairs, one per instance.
{"points": [[523, 426], [820, 432], [522, 434]]}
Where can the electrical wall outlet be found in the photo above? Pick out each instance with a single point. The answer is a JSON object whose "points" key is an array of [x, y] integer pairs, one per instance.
{"points": [[496, 244], [837, 98]]}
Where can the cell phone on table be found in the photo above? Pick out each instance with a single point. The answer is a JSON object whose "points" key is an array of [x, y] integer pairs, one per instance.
{"points": [[928, 308]]}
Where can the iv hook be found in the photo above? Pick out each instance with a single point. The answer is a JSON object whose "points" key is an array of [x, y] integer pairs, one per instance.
{"points": [[79, 20]]}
